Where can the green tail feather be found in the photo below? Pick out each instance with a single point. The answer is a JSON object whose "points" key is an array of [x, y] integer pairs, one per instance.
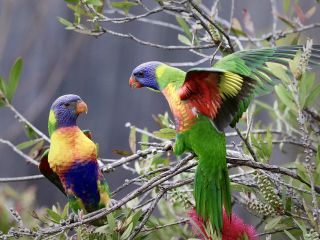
{"points": [[211, 192], [212, 185]]}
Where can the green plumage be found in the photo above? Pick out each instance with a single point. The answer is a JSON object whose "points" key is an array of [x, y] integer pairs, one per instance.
{"points": [[211, 186], [204, 101]]}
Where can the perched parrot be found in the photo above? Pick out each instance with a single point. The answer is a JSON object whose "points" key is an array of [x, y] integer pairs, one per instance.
{"points": [[204, 101], [71, 162]]}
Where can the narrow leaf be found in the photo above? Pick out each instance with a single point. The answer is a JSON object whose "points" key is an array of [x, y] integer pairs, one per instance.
{"points": [[133, 140], [184, 25], [313, 96], [14, 78], [183, 39]]}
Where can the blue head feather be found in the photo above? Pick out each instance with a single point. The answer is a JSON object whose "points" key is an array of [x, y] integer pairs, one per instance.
{"points": [[145, 74], [64, 109]]}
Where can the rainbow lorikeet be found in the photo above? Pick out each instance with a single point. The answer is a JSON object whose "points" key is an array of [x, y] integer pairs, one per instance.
{"points": [[71, 162], [204, 101]]}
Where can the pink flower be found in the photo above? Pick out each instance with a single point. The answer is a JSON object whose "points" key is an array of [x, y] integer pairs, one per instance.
{"points": [[235, 229]]}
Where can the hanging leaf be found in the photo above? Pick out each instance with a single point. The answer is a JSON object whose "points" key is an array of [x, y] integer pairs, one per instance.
{"points": [[145, 139], [121, 152], [185, 27], [14, 78], [279, 71], [286, 5], [311, 12], [248, 24], [27, 144], [2, 92], [127, 232], [289, 235], [272, 223], [124, 6], [313, 96], [165, 133], [305, 84], [286, 20], [65, 22], [96, 3], [236, 27], [133, 140], [54, 216], [183, 39], [285, 96], [31, 134], [299, 12]]}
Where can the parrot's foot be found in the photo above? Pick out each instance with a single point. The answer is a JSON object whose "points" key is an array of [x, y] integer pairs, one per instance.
{"points": [[112, 202], [168, 146], [72, 218]]}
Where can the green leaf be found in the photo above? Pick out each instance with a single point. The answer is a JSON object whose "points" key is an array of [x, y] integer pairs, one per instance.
{"points": [[133, 140], [236, 27], [144, 139], [97, 3], [121, 152], [111, 222], [183, 39], [3, 88], [14, 78], [272, 223], [285, 97], [65, 22], [127, 232], [279, 71], [305, 84], [65, 212], [27, 144], [31, 134], [318, 160], [125, 5], [2, 92], [185, 26], [313, 96], [286, 5], [136, 217], [289, 235], [165, 133], [54, 216]]}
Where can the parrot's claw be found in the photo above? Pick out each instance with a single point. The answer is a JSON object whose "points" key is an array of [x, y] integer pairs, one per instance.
{"points": [[168, 146], [112, 202], [72, 218]]}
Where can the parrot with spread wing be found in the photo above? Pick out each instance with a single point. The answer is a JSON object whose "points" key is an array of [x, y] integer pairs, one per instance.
{"points": [[71, 161], [204, 101]]}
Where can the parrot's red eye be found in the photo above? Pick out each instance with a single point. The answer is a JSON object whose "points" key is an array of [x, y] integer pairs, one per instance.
{"points": [[66, 104]]}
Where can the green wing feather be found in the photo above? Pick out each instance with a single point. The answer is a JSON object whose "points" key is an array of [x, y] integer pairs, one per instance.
{"points": [[258, 79], [252, 63]]}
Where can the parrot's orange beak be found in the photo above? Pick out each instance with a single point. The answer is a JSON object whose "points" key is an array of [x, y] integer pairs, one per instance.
{"points": [[134, 83], [81, 107]]}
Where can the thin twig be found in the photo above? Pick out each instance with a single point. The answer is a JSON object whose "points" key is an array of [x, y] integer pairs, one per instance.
{"points": [[147, 215], [25, 121], [19, 152]]}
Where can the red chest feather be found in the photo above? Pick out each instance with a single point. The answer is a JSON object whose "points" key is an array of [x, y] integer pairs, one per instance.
{"points": [[202, 92]]}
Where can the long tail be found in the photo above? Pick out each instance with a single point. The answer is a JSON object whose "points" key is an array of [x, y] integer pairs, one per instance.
{"points": [[212, 189]]}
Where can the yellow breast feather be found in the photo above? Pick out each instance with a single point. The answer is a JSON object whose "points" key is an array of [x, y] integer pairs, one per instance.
{"points": [[68, 145]]}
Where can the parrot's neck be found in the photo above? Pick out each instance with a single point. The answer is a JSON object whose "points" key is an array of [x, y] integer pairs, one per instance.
{"points": [[62, 121], [182, 111]]}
